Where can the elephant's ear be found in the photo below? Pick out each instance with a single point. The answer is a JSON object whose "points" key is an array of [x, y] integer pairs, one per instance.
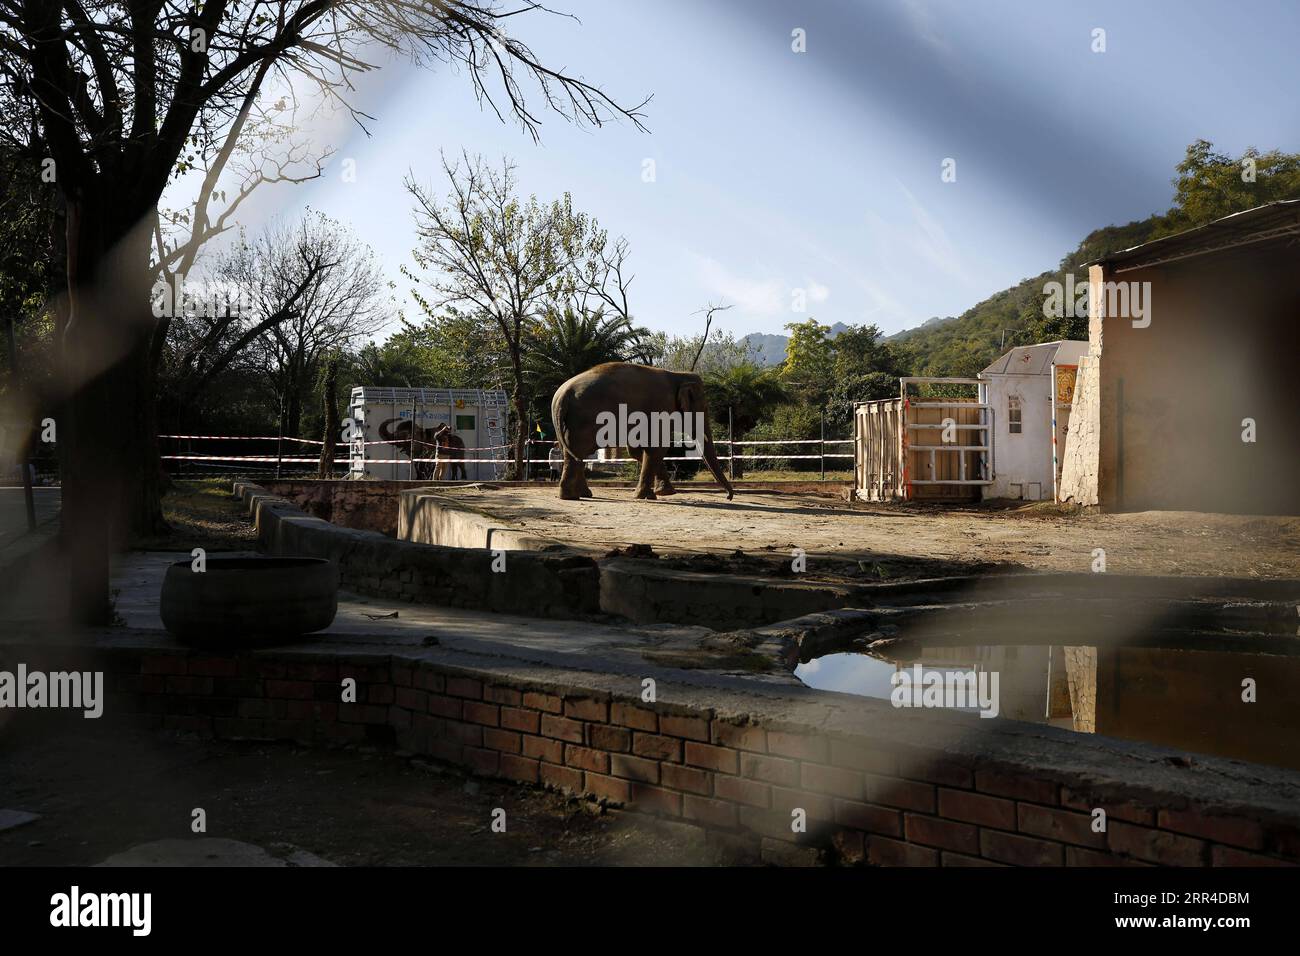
{"points": [[690, 396]]}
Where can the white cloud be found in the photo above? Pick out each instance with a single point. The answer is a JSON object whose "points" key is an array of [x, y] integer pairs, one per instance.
{"points": [[765, 296]]}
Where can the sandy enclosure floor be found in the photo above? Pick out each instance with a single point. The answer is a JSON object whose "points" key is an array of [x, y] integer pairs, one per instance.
{"points": [[1033, 536]]}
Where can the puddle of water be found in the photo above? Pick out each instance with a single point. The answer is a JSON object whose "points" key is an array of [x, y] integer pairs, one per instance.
{"points": [[1191, 700]]}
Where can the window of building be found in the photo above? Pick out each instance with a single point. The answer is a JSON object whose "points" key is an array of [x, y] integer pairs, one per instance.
{"points": [[464, 423], [1013, 414]]}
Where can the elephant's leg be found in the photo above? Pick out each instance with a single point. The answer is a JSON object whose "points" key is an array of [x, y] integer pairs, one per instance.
{"points": [[570, 476], [644, 485], [584, 489], [663, 486]]}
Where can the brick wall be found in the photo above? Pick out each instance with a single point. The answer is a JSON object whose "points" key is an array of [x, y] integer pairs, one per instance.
{"points": [[867, 799]]}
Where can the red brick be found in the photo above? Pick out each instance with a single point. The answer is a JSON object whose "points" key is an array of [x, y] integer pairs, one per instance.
{"points": [[584, 758], [715, 813], [833, 780], [503, 695], [977, 808], [893, 792], [297, 689], [770, 769], [692, 728], [750, 792], [316, 671], [399, 718], [562, 728], [563, 778], [1078, 856], [489, 715], [363, 713], [188, 685], [525, 721], [1017, 787], [684, 778], [655, 799], [1233, 831], [403, 675], [935, 768], [485, 762], [868, 817], [262, 708], [412, 699], [714, 758], [948, 858], [431, 681], [638, 718], [614, 739], [1115, 809], [882, 851], [945, 834], [465, 687], [634, 768], [547, 702], [543, 748], [214, 666], [858, 757], [1230, 856], [519, 768], [503, 740], [1158, 846], [446, 706], [471, 734], [608, 788], [801, 746], [586, 709], [1061, 825], [740, 736], [379, 694], [188, 723], [163, 664], [1020, 850], [657, 747], [817, 806]]}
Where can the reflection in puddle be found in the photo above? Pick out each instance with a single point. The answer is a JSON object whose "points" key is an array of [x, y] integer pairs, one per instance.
{"points": [[1192, 700]]}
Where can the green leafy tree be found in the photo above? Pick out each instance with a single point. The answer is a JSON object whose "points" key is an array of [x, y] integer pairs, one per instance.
{"points": [[809, 361], [564, 343], [742, 396]]}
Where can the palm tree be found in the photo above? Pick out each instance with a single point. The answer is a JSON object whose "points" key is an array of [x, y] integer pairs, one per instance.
{"points": [[563, 343], [750, 392]]}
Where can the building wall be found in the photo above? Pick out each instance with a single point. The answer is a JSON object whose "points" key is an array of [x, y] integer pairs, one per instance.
{"points": [[1221, 346], [1022, 464]]}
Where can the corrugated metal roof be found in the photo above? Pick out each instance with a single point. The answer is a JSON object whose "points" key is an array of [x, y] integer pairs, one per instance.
{"points": [[1036, 359], [1270, 222]]}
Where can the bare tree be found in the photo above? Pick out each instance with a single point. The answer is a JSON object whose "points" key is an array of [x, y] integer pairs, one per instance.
{"points": [[116, 97], [491, 255], [327, 286]]}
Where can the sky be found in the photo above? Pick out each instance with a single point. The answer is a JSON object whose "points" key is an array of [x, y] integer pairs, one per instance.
{"points": [[795, 184]]}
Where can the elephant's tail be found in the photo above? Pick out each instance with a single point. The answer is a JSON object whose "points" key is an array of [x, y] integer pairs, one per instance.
{"points": [[560, 406]]}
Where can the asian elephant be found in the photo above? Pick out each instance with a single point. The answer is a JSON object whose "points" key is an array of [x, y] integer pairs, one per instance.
{"points": [[628, 393], [426, 440]]}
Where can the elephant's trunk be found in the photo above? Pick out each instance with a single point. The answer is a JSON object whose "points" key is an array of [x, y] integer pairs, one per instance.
{"points": [[711, 459]]}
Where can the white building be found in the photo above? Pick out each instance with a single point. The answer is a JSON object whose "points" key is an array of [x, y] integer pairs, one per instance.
{"points": [[383, 418], [1029, 391]]}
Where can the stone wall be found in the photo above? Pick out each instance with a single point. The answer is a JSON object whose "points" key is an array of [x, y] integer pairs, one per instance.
{"points": [[364, 505], [876, 785], [540, 585], [1081, 459]]}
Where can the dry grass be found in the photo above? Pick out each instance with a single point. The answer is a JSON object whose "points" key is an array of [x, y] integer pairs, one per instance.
{"points": [[202, 513]]}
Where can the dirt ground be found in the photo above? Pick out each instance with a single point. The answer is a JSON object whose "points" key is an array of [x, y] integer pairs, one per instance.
{"points": [[889, 539], [202, 513], [102, 791]]}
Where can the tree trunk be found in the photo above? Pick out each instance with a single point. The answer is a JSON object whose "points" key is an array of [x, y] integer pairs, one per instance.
{"points": [[111, 485], [331, 419]]}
